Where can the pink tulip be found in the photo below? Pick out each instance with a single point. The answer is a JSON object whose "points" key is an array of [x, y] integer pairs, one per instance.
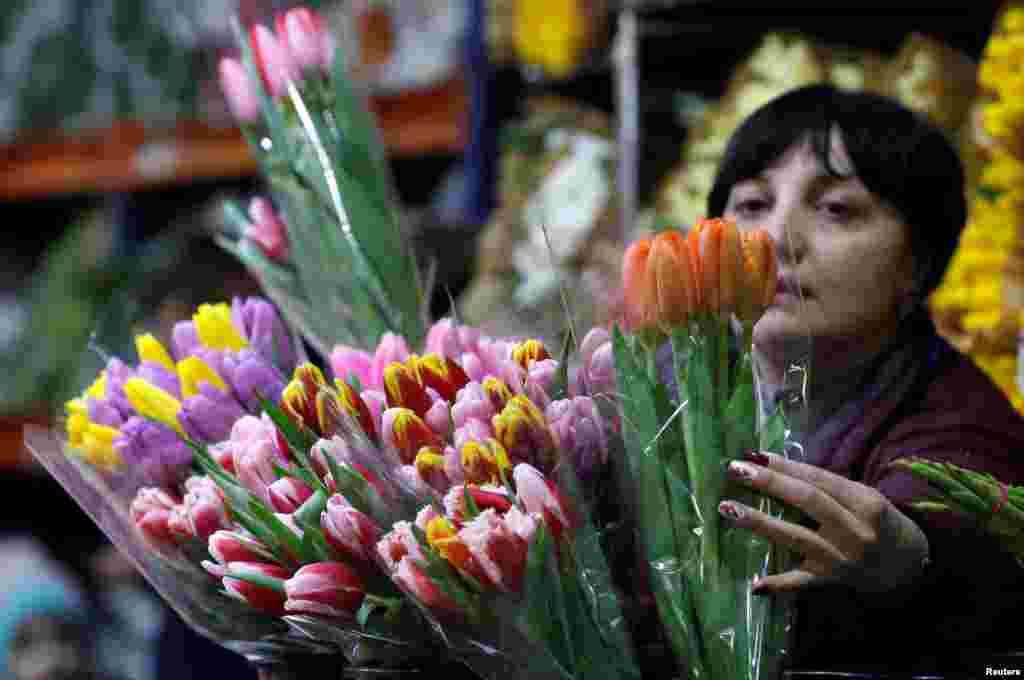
{"points": [[376, 403], [304, 33], [472, 430], [254, 466], [327, 589], [451, 340], [391, 349], [472, 402], [276, 64], [233, 546], [346, 361], [239, 92], [269, 599], [539, 378], [438, 417], [288, 494], [267, 229], [349, 531], [540, 496], [204, 509], [150, 511], [597, 371]]}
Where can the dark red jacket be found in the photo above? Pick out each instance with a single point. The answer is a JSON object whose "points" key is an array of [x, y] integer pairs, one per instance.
{"points": [[972, 595]]}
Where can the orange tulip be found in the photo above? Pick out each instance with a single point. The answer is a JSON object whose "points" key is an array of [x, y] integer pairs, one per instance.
{"points": [[675, 279], [660, 281], [638, 285], [761, 272], [716, 249]]}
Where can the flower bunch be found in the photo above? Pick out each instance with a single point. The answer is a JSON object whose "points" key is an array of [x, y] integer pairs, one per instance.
{"points": [[695, 290], [978, 303], [129, 422], [471, 407], [332, 253]]}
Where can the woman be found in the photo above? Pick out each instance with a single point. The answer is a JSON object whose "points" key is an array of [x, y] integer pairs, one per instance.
{"points": [[865, 202]]}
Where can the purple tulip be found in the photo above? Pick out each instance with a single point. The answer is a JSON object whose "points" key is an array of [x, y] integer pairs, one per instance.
{"points": [[260, 323], [210, 415], [252, 377], [580, 430], [185, 339], [158, 376], [118, 373], [153, 453], [102, 412]]}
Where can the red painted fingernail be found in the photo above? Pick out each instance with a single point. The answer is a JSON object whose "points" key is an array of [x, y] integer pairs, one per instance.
{"points": [[742, 471], [758, 457], [730, 510]]}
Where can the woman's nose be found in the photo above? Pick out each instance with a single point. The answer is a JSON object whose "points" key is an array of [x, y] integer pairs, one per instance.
{"points": [[786, 230]]}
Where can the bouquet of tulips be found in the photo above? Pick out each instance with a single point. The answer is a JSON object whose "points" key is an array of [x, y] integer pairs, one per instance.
{"points": [[337, 517], [333, 254], [997, 507], [701, 293]]}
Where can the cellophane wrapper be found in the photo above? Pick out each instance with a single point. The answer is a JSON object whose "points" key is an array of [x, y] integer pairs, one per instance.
{"points": [[688, 410]]}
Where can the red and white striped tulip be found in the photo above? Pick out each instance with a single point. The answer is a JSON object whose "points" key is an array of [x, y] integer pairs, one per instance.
{"points": [[269, 598], [325, 589], [349, 531]]}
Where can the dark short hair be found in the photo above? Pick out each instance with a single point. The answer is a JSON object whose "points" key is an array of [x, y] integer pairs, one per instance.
{"points": [[898, 155]]}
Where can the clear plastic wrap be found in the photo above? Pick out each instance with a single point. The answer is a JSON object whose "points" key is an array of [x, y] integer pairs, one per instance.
{"points": [[688, 410]]}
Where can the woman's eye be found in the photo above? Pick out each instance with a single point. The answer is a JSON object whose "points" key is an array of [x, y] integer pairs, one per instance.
{"points": [[749, 206], [836, 210]]}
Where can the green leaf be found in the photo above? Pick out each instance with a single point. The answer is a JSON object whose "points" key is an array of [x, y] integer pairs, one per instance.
{"points": [[471, 509], [263, 580]]}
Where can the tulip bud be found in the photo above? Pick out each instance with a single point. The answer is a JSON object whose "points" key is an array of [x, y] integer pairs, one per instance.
{"points": [[349, 531], [204, 507], [151, 350], [579, 428], [216, 330], [268, 598], [209, 415], [539, 380], [525, 353], [153, 454], [430, 466], [264, 330], [540, 496], [410, 577], [484, 461], [639, 286], [326, 589], [298, 399], [233, 546], [472, 430], [500, 553], [404, 433], [347, 361], [761, 272], [498, 392], [255, 467], [398, 544], [675, 274], [524, 432], [444, 538], [267, 230], [304, 34], [450, 339], [288, 494], [150, 511], [472, 402], [442, 374], [439, 418], [252, 378], [403, 388], [185, 339], [483, 497], [239, 91], [276, 65], [356, 408], [391, 349]]}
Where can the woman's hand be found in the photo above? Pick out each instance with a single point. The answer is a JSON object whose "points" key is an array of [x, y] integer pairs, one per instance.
{"points": [[862, 539]]}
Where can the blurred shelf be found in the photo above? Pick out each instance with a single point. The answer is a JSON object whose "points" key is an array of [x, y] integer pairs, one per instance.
{"points": [[131, 156], [13, 454]]}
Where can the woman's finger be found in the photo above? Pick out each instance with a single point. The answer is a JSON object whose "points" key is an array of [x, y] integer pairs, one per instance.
{"points": [[859, 499], [808, 543], [805, 495], [786, 582]]}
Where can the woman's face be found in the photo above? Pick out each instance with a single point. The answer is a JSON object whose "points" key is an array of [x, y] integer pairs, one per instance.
{"points": [[845, 265]]}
